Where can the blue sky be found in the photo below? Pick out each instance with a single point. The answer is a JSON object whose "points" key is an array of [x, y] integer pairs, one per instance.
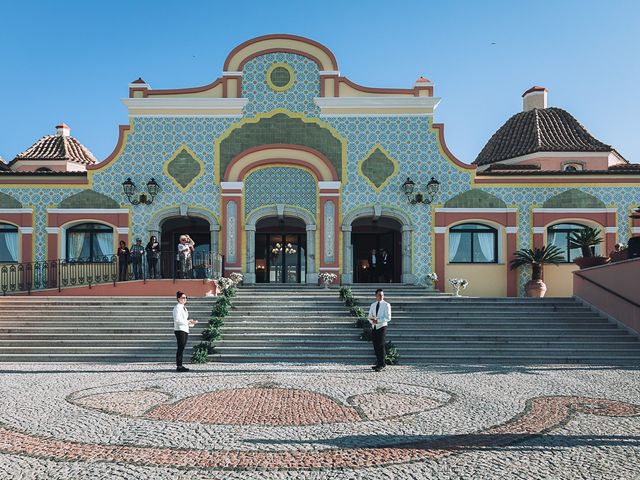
{"points": [[71, 61]]}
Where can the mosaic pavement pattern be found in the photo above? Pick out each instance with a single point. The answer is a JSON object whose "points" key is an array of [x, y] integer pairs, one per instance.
{"points": [[324, 421]]}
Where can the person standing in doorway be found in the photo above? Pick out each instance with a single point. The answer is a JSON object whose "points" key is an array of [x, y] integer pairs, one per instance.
{"points": [[153, 254], [387, 266], [181, 324], [379, 317], [123, 261], [137, 251], [373, 266], [185, 248]]}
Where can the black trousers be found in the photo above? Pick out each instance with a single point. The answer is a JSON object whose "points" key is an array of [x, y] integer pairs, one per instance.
{"points": [[378, 337], [181, 337]]}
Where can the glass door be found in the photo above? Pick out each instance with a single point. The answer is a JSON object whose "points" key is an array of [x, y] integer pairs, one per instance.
{"points": [[280, 258]]}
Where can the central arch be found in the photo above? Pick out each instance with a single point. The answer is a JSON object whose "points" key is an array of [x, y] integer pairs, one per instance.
{"points": [[280, 211]]}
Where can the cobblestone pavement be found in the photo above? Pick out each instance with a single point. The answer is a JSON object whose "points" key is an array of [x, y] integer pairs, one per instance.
{"points": [[138, 421]]}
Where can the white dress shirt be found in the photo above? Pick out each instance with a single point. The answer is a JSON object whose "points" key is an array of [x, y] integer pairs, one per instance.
{"points": [[180, 318], [383, 316]]}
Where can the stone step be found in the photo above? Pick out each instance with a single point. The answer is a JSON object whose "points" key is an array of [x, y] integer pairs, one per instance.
{"points": [[409, 348], [614, 336]]}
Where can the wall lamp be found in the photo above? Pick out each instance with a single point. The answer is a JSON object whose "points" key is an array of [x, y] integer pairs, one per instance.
{"points": [[129, 189], [635, 213], [432, 188]]}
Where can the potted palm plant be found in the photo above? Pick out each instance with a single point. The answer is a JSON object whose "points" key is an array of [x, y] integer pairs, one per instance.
{"points": [[537, 258], [585, 240]]}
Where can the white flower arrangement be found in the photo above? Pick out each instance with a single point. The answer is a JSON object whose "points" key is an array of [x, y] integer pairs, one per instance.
{"points": [[224, 283], [432, 278], [236, 278], [327, 278], [458, 283]]}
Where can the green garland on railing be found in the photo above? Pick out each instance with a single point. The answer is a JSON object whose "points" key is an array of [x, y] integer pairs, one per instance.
{"points": [[212, 331], [346, 295]]}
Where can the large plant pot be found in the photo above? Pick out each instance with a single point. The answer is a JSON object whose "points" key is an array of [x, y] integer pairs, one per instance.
{"points": [[535, 288], [588, 262]]}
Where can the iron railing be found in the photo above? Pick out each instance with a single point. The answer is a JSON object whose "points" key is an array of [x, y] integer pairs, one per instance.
{"points": [[28, 276]]}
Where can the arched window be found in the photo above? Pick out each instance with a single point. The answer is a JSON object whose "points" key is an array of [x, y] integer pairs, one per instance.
{"points": [[43, 169], [473, 243], [8, 243], [89, 242], [559, 234]]}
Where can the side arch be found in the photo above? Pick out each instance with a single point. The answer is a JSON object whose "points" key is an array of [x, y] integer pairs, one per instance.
{"points": [[377, 211], [158, 217]]}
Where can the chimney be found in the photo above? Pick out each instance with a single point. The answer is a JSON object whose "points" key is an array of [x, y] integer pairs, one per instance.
{"points": [[535, 97], [63, 130]]}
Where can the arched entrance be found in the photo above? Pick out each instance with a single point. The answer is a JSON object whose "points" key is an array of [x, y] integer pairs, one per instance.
{"points": [[379, 234], [392, 225], [281, 250], [171, 229], [284, 224]]}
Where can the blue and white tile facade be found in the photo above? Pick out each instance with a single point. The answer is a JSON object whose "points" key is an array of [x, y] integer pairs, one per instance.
{"points": [[410, 140], [280, 185]]}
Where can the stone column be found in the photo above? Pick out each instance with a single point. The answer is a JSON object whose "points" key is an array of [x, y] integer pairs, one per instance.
{"points": [[214, 233], [312, 274], [250, 274], [347, 253], [407, 275]]}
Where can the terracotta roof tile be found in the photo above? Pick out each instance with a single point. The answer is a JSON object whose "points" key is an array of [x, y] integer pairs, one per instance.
{"points": [[58, 147], [539, 130]]}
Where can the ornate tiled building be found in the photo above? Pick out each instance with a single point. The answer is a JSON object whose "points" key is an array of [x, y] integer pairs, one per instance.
{"points": [[289, 169]]}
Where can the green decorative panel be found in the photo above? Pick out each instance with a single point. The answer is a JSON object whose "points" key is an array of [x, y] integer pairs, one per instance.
{"points": [[280, 76], [183, 168], [7, 201], [280, 128], [88, 199], [475, 199], [378, 168], [574, 199]]}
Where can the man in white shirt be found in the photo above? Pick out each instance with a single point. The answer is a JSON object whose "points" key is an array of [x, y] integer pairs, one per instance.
{"points": [[379, 317], [181, 324]]}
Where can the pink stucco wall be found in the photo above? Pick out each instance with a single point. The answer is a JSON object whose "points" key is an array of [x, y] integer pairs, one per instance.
{"points": [[551, 162], [613, 289]]}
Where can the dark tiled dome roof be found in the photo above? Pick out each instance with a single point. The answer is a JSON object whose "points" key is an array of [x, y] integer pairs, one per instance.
{"points": [[58, 147], [539, 130]]}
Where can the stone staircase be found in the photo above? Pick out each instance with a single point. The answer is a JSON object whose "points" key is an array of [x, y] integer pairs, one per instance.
{"points": [[436, 328], [307, 324], [94, 329], [290, 323]]}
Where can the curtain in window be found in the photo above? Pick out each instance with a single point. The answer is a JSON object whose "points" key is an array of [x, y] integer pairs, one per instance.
{"points": [[10, 241], [485, 240], [105, 244], [454, 244], [76, 243]]}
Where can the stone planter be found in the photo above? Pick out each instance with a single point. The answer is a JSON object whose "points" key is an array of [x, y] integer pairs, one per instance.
{"points": [[588, 262], [535, 288]]}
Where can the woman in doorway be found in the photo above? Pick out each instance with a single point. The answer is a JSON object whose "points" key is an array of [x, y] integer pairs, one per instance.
{"points": [[123, 261], [185, 249], [153, 254]]}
